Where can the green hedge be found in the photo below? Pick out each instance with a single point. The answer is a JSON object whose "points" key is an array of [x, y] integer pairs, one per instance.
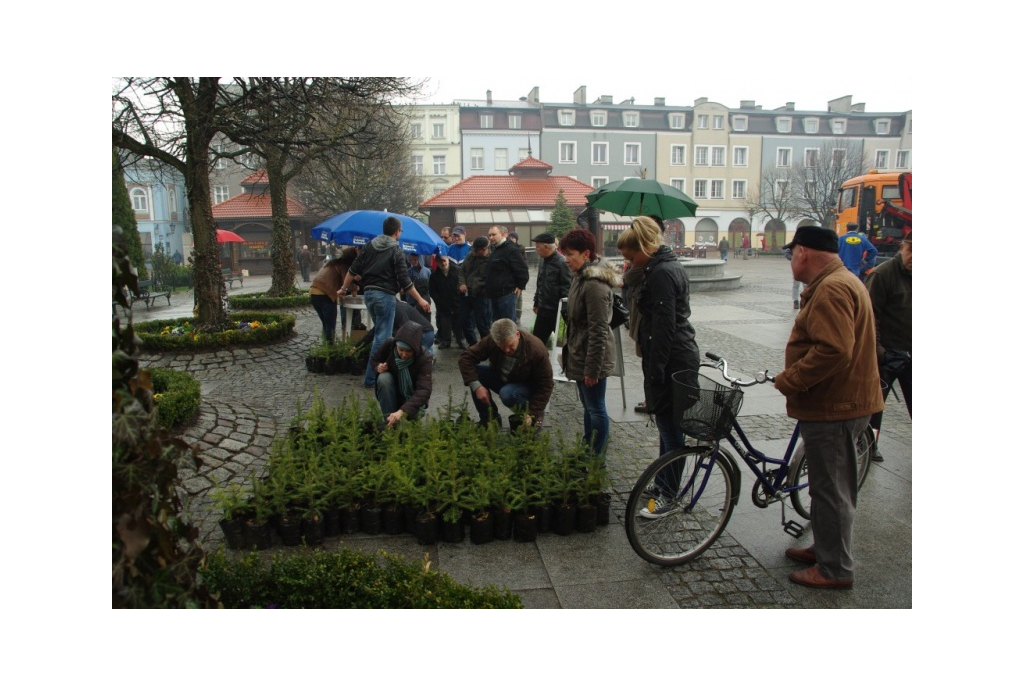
{"points": [[346, 579], [165, 335], [176, 394], [262, 301]]}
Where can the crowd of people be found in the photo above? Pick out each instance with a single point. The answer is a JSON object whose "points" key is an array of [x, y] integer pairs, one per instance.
{"points": [[850, 339]]}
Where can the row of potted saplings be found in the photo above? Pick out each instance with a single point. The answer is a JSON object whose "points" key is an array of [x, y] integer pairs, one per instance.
{"points": [[433, 478], [336, 358]]}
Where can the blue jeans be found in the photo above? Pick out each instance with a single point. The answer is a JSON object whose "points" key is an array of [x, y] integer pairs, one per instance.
{"points": [[503, 307], [513, 395], [670, 437], [595, 416], [381, 306], [327, 310], [388, 397]]}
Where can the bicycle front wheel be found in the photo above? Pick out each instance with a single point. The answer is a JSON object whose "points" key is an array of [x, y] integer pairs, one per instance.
{"points": [[680, 505], [801, 498]]}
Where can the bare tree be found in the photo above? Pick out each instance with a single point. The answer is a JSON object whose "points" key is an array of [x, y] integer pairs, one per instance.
{"points": [[818, 177], [291, 122], [774, 197]]}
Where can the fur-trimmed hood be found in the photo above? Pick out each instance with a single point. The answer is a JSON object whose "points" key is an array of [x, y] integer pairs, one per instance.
{"points": [[600, 270]]}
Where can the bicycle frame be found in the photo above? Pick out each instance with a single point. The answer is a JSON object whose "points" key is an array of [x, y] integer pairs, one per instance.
{"points": [[755, 458]]}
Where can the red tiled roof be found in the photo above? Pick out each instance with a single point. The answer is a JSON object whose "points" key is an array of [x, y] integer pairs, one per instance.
{"points": [[509, 191], [257, 177], [532, 163], [254, 206]]}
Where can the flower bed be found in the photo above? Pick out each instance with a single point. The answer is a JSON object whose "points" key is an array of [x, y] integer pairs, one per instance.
{"points": [[247, 328], [299, 298], [176, 395]]}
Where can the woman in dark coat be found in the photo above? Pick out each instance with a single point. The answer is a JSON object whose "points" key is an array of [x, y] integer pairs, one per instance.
{"points": [[665, 335], [404, 374]]}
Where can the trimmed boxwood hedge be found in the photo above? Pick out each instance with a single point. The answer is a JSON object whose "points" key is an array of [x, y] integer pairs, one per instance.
{"points": [[165, 335], [176, 394], [344, 579], [262, 301]]}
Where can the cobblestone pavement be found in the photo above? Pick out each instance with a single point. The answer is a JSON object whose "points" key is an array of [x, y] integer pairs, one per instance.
{"points": [[251, 395]]}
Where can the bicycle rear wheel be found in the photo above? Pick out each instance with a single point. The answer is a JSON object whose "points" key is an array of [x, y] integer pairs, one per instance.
{"points": [[801, 499], [680, 505]]}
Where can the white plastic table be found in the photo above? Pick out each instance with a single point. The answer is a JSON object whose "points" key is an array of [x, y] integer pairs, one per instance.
{"points": [[352, 304]]}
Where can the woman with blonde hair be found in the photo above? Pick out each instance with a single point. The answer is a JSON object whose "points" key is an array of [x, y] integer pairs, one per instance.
{"points": [[666, 339]]}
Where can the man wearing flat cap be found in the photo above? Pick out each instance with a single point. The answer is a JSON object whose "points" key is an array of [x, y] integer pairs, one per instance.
{"points": [[832, 388], [553, 281]]}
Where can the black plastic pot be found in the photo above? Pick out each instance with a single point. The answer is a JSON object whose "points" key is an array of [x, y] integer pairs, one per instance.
{"points": [[524, 527], [313, 531], [426, 528], [565, 519], [502, 523], [289, 528], [586, 518], [394, 519], [234, 533], [481, 529], [372, 520], [603, 502], [258, 534]]}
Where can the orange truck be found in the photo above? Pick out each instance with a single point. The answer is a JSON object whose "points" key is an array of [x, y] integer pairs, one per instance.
{"points": [[881, 206]]}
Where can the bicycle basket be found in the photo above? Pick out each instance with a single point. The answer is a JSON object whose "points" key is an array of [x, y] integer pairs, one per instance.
{"points": [[702, 408]]}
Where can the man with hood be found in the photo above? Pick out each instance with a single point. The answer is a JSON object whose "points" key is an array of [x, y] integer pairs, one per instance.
{"points": [[383, 274], [404, 374]]}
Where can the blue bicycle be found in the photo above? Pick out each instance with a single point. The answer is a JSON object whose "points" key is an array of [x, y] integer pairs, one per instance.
{"points": [[683, 501]]}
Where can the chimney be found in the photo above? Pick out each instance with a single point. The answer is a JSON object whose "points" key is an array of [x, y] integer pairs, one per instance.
{"points": [[628, 102], [859, 107], [534, 96], [841, 105], [747, 104], [699, 101], [659, 102], [606, 99], [489, 98], [790, 106], [580, 96]]}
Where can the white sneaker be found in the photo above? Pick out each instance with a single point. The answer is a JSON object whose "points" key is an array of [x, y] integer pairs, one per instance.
{"points": [[657, 507]]}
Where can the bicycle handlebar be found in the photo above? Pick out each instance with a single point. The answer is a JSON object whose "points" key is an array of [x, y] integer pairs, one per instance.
{"points": [[720, 363]]}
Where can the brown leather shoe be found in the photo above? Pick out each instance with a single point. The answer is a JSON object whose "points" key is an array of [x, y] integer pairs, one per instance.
{"points": [[811, 577], [805, 555]]}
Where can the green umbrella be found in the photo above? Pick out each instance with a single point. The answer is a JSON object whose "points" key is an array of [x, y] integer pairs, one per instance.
{"points": [[641, 197]]}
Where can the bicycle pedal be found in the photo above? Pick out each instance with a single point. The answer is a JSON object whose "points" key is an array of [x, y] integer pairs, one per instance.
{"points": [[793, 528]]}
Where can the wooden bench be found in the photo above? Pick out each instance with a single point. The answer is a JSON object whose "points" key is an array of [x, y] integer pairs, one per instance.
{"points": [[148, 295], [230, 277]]}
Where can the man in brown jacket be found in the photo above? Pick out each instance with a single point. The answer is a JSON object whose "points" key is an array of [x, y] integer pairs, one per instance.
{"points": [[832, 388], [518, 369]]}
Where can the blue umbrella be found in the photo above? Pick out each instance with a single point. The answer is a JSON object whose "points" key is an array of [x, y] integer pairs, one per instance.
{"points": [[360, 226]]}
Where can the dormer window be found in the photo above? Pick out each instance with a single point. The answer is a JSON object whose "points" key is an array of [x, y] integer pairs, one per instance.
{"points": [[486, 121], [810, 125], [838, 126], [599, 118], [630, 119], [566, 117], [676, 121], [784, 124], [881, 127], [739, 123]]}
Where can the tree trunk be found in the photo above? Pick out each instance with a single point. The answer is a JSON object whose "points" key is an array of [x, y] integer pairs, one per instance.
{"points": [[281, 249]]}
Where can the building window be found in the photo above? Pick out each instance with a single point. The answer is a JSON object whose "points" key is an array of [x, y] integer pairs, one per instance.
{"points": [[515, 120], [839, 126], [631, 119], [679, 184], [679, 155], [416, 130], [218, 161], [439, 165], [780, 188], [172, 200], [476, 158], [700, 155], [566, 117], [782, 157], [882, 127], [739, 123], [438, 131], [501, 159], [486, 121], [598, 181], [702, 121], [700, 188], [140, 200], [718, 155], [717, 188], [220, 194], [739, 190], [882, 159], [599, 118], [838, 157], [718, 122], [599, 153], [811, 158], [903, 159], [739, 156], [524, 152], [809, 189], [676, 120], [810, 125], [567, 152], [784, 124], [631, 154]]}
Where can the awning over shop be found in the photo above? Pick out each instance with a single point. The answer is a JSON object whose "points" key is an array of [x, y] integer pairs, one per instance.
{"points": [[501, 216]]}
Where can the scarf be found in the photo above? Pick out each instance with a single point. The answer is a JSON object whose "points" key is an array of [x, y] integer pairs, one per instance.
{"points": [[404, 375], [634, 278]]}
